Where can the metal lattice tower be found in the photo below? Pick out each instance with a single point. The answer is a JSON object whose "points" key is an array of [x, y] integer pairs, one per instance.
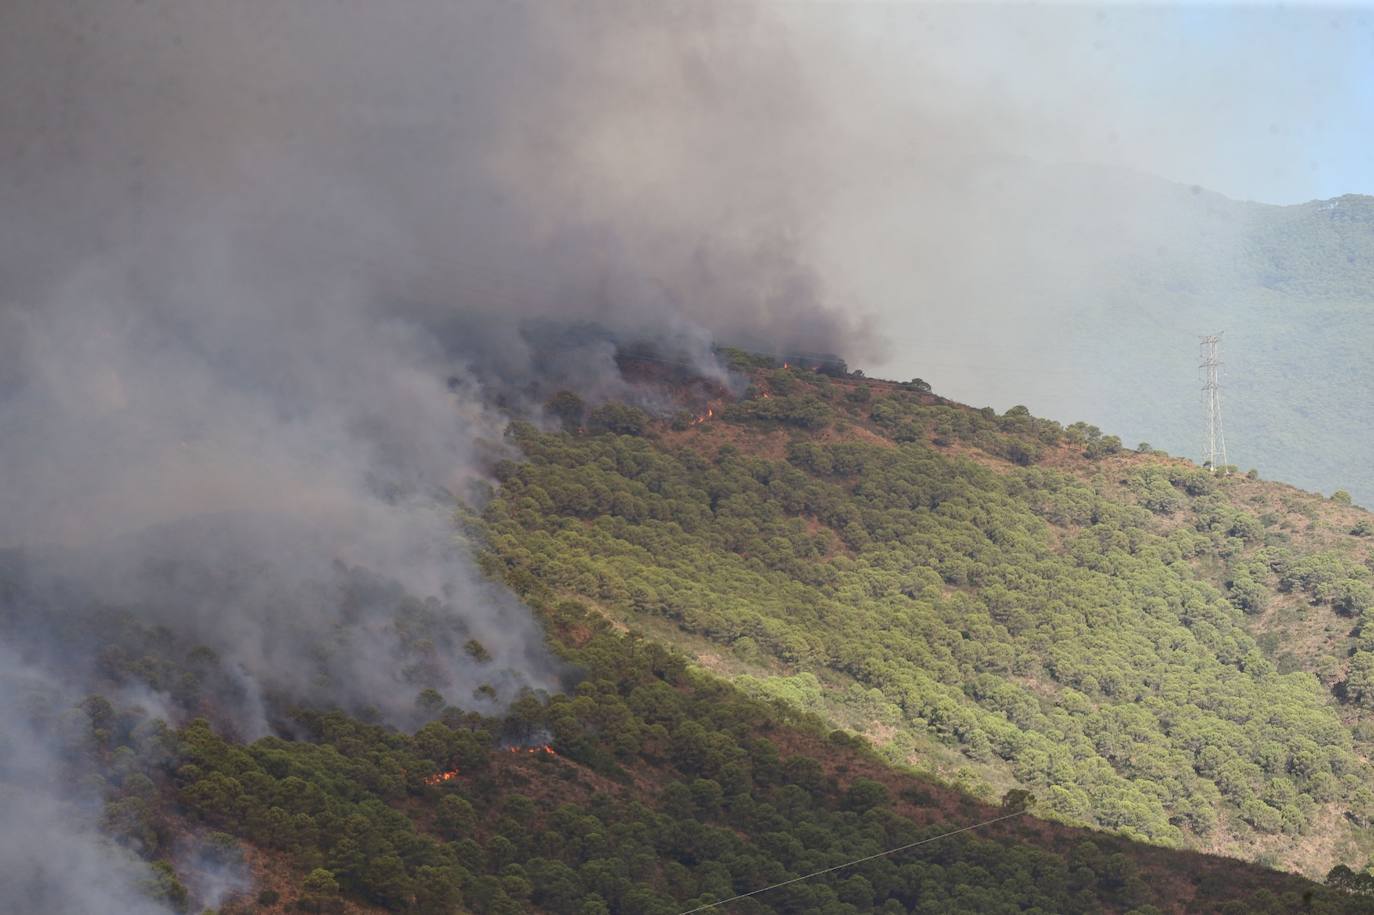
{"points": [[1211, 398]]}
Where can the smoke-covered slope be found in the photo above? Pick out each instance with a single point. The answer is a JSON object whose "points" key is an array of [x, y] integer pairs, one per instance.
{"points": [[274, 283], [269, 276], [651, 788], [1295, 297], [1094, 312], [1002, 602]]}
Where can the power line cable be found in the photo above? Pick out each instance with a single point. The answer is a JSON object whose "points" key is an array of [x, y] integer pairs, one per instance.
{"points": [[830, 870]]}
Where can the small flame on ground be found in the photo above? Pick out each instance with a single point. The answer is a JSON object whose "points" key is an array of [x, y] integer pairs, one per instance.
{"points": [[710, 412], [541, 748], [439, 778]]}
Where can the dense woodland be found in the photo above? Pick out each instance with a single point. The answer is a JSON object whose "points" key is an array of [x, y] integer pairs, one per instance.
{"points": [[1074, 619], [659, 789], [1158, 655]]}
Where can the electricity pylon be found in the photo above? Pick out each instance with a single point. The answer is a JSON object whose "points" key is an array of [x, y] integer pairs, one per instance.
{"points": [[1211, 397]]}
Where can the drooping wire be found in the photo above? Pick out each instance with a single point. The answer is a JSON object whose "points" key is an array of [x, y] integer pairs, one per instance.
{"points": [[832, 869]]}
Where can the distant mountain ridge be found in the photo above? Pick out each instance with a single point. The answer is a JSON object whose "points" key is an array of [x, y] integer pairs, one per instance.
{"points": [[1293, 291], [1095, 284]]}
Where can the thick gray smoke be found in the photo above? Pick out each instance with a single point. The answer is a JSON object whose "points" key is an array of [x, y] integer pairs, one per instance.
{"points": [[263, 266], [51, 859], [265, 269], [620, 165], [266, 263]]}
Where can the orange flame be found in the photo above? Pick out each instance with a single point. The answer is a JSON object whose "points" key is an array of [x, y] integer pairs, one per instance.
{"points": [[542, 748], [440, 777], [710, 412]]}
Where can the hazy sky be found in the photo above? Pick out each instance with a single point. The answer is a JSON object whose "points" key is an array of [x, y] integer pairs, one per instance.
{"points": [[254, 254], [753, 170], [1258, 102], [1299, 105], [967, 224]]}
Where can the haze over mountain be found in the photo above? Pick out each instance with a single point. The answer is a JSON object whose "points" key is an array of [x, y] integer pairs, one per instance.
{"points": [[1096, 316], [342, 348]]}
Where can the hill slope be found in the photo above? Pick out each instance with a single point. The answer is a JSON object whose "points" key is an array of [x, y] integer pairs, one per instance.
{"points": [[663, 789], [1294, 292], [1093, 284], [994, 601], [997, 598]]}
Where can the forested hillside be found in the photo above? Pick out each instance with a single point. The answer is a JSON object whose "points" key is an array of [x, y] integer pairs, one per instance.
{"points": [[432, 480], [649, 788], [798, 625], [1148, 647]]}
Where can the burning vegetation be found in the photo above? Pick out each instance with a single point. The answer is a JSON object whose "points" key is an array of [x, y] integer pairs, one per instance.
{"points": [[440, 778], [450, 775], [702, 417]]}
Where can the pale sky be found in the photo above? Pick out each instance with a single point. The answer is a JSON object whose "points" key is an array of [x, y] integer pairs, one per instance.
{"points": [[1258, 102]]}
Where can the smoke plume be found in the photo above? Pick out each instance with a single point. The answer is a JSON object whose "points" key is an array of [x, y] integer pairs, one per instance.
{"points": [[264, 267], [51, 858], [273, 264], [267, 269]]}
